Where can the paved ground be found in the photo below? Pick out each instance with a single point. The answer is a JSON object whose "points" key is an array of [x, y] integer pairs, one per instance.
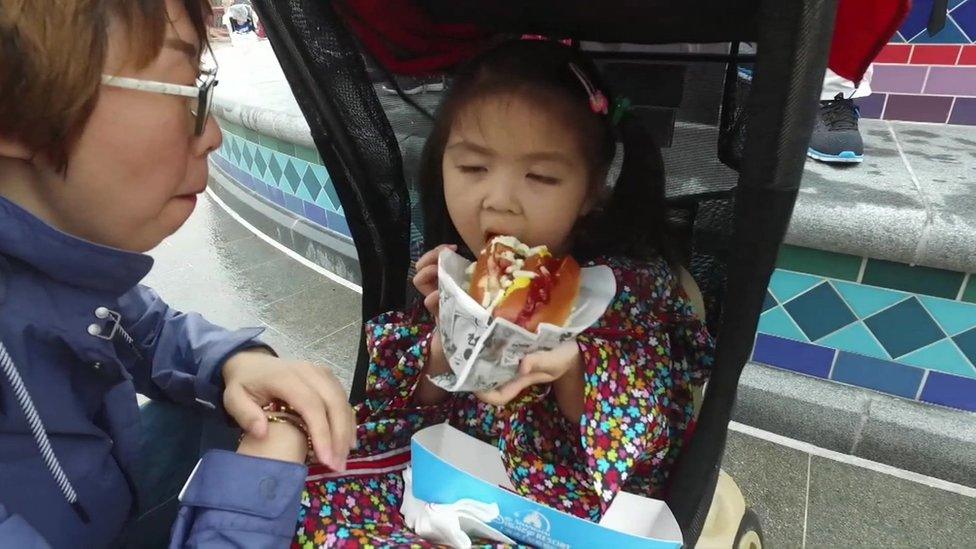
{"points": [[216, 266]]}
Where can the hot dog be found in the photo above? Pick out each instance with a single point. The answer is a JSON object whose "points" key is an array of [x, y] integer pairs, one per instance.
{"points": [[526, 286]]}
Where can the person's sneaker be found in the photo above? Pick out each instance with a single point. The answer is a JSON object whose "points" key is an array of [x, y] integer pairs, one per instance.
{"points": [[412, 85], [836, 138]]}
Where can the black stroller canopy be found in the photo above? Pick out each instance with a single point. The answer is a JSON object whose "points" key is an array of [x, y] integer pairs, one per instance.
{"points": [[735, 222]]}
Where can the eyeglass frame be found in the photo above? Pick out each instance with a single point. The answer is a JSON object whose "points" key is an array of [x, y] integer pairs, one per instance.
{"points": [[202, 92]]}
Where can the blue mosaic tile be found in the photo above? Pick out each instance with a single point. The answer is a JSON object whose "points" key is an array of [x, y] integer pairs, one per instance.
{"points": [[949, 390], [785, 285], [330, 191], [867, 300], [917, 18], [289, 177], [769, 302], [953, 316], [776, 322], [294, 204], [316, 214], [904, 328], [338, 224], [897, 38], [804, 358], [261, 188], [954, 3], [950, 34], [857, 339], [965, 17], [943, 356], [820, 311], [235, 151], [967, 344], [880, 375]]}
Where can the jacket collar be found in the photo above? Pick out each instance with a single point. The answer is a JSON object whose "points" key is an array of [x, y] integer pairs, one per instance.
{"points": [[67, 258]]}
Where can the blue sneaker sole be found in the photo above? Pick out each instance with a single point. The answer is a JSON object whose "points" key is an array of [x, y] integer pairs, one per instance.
{"points": [[846, 157]]}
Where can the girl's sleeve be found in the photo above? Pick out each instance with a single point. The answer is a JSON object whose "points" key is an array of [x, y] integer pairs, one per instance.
{"points": [[638, 358], [398, 344]]}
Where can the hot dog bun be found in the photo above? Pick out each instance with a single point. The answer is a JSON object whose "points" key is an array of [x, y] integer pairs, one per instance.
{"points": [[526, 286]]}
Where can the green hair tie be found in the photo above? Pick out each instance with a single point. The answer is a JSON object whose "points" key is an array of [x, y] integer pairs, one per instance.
{"points": [[620, 107]]}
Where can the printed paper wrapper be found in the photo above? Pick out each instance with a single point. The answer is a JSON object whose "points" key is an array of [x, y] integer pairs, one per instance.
{"points": [[484, 352]]}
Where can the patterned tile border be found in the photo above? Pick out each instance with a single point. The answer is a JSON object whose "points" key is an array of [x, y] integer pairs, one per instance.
{"points": [[288, 175], [906, 331]]}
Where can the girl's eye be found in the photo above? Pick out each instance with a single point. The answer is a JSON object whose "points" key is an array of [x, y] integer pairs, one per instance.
{"points": [[473, 169], [545, 179]]}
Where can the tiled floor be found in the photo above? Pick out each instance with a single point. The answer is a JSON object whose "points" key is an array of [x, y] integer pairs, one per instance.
{"points": [[215, 266]]}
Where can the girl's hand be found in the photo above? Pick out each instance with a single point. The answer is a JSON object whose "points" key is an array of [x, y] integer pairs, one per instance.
{"points": [[426, 278], [562, 363], [283, 442]]}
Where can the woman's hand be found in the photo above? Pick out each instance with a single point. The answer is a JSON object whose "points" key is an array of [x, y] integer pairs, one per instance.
{"points": [[562, 366], [253, 378], [283, 442], [426, 278]]}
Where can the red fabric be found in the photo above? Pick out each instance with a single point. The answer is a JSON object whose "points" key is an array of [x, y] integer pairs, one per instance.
{"points": [[405, 40], [861, 30]]}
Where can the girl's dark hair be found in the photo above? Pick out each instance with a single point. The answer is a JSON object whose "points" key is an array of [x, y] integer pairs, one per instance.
{"points": [[629, 220]]}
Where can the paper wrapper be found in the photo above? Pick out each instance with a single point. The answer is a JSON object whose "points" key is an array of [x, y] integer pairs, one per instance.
{"points": [[484, 352]]}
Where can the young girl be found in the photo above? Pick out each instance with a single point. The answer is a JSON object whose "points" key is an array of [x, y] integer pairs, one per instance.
{"points": [[522, 146]]}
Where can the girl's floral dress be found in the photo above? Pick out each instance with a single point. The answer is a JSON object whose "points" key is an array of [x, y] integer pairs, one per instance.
{"points": [[641, 360]]}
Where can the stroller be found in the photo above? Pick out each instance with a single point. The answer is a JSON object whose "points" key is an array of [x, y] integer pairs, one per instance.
{"points": [[730, 191]]}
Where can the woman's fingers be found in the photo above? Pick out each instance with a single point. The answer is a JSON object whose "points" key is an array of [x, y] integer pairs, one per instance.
{"points": [[507, 392], [238, 401], [339, 413]]}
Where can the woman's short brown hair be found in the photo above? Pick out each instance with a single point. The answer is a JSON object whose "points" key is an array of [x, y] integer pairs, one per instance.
{"points": [[52, 56]]}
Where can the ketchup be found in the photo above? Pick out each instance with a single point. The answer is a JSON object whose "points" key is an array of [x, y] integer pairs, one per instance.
{"points": [[540, 289]]}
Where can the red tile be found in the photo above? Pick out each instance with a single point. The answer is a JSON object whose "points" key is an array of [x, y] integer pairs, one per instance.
{"points": [[894, 53], [927, 54], [968, 56]]}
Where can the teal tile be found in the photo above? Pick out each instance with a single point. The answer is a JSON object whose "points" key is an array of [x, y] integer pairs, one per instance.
{"points": [[323, 201], [786, 285], [290, 175], [904, 328], [307, 154], [333, 196], [286, 147], [943, 356], [820, 311], [776, 322], [231, 127], [970, 292], [819, 262], [268, 141], [955, 317], [918, 280], [966, 342], [857, 339], [867, 300], [311, 182], [248, 156], [260, 162], [274, 169], [302, 192]]}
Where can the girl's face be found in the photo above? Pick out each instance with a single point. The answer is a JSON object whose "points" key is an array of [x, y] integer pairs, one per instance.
{"points": [[512, 168]]}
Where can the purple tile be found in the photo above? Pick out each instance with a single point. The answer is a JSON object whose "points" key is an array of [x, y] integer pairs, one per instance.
{"points": [[295, 205], [964, 111], [950, 390], [917, 108], [338, 223], [950, 81], [277, 196], [898, 78], [316, 214], [261, 188], [805, 358], [872, 105]]}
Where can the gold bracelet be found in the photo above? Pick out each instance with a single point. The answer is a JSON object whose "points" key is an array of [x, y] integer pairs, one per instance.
{"points": [[278, 411]]}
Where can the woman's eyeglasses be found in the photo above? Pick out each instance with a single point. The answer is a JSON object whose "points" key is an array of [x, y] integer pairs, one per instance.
{"points": [[202, 92]]}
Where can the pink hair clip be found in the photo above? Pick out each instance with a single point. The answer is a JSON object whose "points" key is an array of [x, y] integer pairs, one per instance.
{"points": [[598, 101]]}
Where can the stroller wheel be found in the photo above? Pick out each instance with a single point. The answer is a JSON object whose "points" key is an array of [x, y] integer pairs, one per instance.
{"points": [[750, 534]]}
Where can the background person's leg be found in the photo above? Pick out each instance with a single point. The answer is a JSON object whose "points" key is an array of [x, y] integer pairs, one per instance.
{"points": [[174, 438], [836, 137]]}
